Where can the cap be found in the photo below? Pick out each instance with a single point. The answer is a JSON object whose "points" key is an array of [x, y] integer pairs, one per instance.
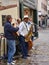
{"points": [[26, 16]]}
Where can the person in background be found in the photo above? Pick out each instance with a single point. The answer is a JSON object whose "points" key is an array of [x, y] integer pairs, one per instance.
{"points": [[18, 49], [30, 19], [8, 31], [31, 23], [18, 21]]}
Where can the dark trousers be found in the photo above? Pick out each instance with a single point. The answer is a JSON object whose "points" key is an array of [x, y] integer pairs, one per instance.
{"points": [[24, 49], [32, 38]]}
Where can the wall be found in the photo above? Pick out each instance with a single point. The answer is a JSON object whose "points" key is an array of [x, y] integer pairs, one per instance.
{"points": [[42, 4], [48, 8], [42, 8], [14, 11], [11, 11]]}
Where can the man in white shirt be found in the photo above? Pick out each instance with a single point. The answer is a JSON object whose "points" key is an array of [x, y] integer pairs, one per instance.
{"points": [[23, 31]]}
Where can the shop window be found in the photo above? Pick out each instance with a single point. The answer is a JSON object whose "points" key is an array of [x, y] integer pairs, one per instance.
{"points": [[3, 19]]}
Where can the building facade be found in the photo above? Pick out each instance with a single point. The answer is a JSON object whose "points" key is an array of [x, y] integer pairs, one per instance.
{"points": [[8, 7], [48, 12], [17, 8], [48, 7], [42, 9], [29, 7]]}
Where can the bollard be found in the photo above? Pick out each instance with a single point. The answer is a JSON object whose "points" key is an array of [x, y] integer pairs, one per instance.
{"points": [[3, 47]]}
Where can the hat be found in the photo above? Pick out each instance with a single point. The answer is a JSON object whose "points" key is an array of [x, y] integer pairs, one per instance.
{"points": [[26, 16]]}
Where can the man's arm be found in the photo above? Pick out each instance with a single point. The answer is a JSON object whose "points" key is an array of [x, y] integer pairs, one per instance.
{"points": [[10, 28]]}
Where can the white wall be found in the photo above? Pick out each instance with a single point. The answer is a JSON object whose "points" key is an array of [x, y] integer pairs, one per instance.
{"points": [[9, 2], [12, 11], [43, 11], [40, 6]]}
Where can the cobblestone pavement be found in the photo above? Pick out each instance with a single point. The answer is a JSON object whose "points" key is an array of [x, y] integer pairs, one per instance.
{"points": [[39, 55]]}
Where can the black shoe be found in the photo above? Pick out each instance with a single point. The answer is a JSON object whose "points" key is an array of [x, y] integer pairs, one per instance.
{"points": [[24, 57], [28, 55]]}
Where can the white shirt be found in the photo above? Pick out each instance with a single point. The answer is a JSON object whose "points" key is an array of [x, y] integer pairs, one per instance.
{"points": [[23, 28]]}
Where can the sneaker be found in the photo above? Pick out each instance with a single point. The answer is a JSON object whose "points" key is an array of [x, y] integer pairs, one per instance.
{"points": [[13, 63], [33, 48], [8, 63]]}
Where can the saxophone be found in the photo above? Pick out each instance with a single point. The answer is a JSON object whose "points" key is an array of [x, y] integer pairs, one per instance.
{"points": [[29, 35], [28, 38]]}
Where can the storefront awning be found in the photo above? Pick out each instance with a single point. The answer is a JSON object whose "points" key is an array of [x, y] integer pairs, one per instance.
{"points": [[30, 3]]}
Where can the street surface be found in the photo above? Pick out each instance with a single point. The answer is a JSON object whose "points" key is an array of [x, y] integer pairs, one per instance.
{"points": [[39, 55]]}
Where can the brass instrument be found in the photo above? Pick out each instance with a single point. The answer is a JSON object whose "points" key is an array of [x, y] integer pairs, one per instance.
{"points": [[28, 36]]}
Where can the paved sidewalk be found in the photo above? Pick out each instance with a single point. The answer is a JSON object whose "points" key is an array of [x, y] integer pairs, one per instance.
{"points": [[39, 55]]}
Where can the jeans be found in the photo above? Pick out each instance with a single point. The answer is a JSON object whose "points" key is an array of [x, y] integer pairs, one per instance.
{"points": [[11, 50], [24, 49]]}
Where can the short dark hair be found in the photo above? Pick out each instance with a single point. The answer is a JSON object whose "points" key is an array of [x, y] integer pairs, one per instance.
{"points": [[8, 17]]}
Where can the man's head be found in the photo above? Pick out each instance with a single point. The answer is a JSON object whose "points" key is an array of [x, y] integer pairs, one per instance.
{"points": [[9, 18], [26, 18], [18, 20], [30, 19]]}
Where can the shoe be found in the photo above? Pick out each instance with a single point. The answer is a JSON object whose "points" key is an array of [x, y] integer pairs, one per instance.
{"points": [[28, 55], [24, 57], [33, 48], [8, 63], [13, 63]]}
